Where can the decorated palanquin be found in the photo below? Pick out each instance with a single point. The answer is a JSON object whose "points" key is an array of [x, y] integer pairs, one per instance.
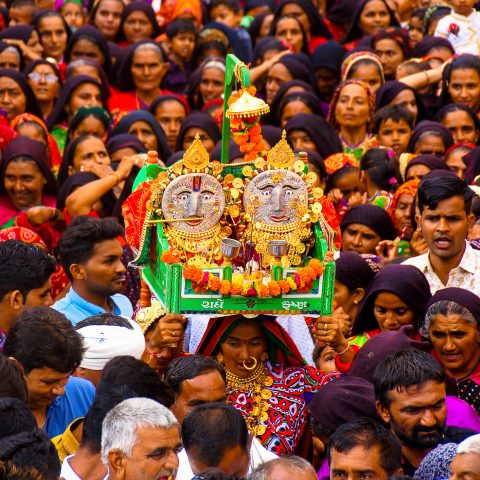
{"points": [[220, 238]]}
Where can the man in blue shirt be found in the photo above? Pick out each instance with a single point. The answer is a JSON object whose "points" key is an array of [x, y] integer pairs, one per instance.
{"points": [[90, 253], [49, 349]]}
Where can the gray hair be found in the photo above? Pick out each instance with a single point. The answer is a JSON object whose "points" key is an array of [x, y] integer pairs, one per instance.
{"points": [[120, 424], [446, 307], [149, 47], [426, 134], [290, 462], [469, 445], [11, 49]]}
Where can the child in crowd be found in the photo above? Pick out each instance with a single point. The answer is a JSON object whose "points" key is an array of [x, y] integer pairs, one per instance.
{"points": [[182, 39], [393, 126], [230, 13], [461, 27], [22, 12], [72, 12]]}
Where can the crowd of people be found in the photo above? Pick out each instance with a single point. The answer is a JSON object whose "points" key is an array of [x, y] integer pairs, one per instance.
{"points": [[384, 98]]}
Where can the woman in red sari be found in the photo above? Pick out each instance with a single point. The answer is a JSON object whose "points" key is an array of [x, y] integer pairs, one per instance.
{"points": [[267, 378]]}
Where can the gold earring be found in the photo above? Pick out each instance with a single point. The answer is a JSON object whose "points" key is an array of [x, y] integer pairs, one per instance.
{"points": [[220, 358]]}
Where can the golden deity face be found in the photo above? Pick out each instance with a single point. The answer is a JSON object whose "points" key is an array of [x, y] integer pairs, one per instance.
{"points": [[195, 196], [276, 197]]}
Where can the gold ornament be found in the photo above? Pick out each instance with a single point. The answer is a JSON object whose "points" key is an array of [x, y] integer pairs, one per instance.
{"points": [[254, 385], [238, 183], [298, 166], [196, 157], [317, 208], [146, 316], [281, 155], [247, 171], [311, 177], [247, 106]]}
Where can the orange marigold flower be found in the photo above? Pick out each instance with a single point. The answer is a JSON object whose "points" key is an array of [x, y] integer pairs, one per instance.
{"points": [[193, 273], [225, 287], [263, 290], [284, 285], [311, 273], [274, 288], [213, 283], [317, 265], [236, 289], [170, 256]]}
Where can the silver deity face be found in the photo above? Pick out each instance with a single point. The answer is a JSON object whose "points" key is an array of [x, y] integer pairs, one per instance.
{"points": [[276, 197], [197, 196]]}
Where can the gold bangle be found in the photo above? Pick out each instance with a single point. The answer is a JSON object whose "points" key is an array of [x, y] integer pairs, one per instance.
{"points": [[343, 351]]}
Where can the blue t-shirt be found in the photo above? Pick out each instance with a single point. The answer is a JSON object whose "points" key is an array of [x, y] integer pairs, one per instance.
{"points": [[74, 403], [76, 308]]}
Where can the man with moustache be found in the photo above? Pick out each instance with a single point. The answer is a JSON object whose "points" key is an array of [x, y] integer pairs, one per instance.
{"points": [[410, 396], [90, 253], [445, 202]]}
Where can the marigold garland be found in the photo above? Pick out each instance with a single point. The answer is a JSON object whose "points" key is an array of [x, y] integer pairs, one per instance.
{"points": [[247, 132], [254, 286]]}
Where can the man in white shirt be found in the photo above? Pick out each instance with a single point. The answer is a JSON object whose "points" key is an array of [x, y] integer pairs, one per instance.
{"points": [[444, 202]]}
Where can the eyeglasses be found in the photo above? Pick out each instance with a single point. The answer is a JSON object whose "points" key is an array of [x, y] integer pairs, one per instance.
{"points": [[49, 77]]}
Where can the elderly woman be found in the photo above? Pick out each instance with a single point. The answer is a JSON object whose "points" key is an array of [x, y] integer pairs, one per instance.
{"points": [[401, 208], [452, 323], [139, 77], [267, 379], [351, 113], [206, 83], [430, 138]]}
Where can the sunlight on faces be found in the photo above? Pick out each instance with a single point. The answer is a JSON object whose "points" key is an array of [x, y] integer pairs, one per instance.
{"points": [[465, 466], [280, 194], [24, 183], [359, 238], [53, 36], [367, 72], [461, 126], [394, 135], [430, 144], [288, 30], [108, 17], [91, 150], [211, 84], [148, 69], [194, 196], [391, 312], [374, 17], [12, 98], [464, 87], [352, 109], [137, 27], [276, 77], [416, 172], [455, 163], [170, 114], [390, 54], [292, 109], [402, 213]]}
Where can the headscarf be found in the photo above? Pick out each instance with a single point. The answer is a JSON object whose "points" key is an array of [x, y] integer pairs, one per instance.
{"points": [[235, 43], [343, 400], [341, 11], [36, 151], [67, 159], [329, 55], [388, 92], [321, 133], [381, 345], [307, 98], [354, 271], [424, 46], [271, 118], [429, 126], [104, 342], [200, 120], [4, 46], [31, 105], [354, 32], [164, 97], [409, 188], [280, 347], [271, 134], [124, 140], [94, 36], [430, 161], [405, 281], [297, 69], [42, 61], [399, 36], [462, 296], [23, 235], [18, 32], [337, 161], [332, 119], [436, 464], [58, 115], [373, 217], [55, 157], [356, 57], [142, 116], [138, 6], [84, 112], [124, 80], [473, 162], [256, 25], [318, 27], [93, 13], [192, 7], [79, 179]]}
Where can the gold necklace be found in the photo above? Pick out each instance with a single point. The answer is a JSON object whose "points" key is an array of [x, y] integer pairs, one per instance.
{"points": [[255, 384]]}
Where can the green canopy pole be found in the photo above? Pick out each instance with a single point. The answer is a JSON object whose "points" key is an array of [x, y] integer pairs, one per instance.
{"points": [[234, 67]]}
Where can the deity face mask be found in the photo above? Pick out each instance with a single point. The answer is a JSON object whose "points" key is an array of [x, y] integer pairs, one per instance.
{"points": [[197, 196], [276, 197]]}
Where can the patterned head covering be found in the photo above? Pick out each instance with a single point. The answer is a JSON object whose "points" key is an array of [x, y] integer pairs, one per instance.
{"points": [[399, 36], [337, 161], [436, 464], [371, 102], [354, 58], [409, 188]]}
